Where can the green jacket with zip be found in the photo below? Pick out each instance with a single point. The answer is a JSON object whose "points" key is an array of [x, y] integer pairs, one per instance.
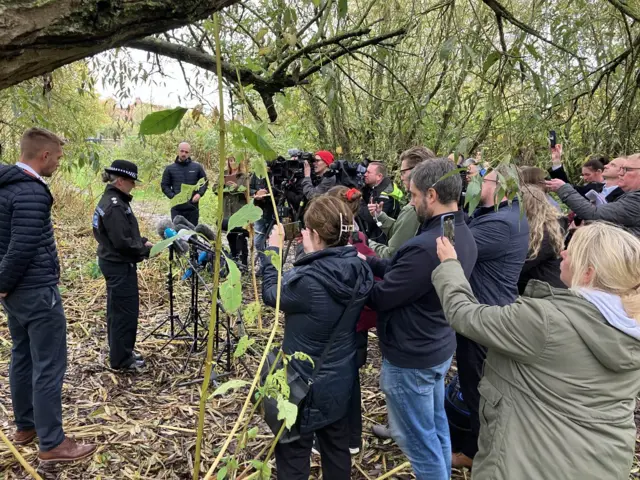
{"points": [[397, 231], [559, 386]]}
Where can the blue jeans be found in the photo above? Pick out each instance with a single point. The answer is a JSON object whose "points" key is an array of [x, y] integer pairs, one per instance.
{"points": [[415, 401], [260, 230]]}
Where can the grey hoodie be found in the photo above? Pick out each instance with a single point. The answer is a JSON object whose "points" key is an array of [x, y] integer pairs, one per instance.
{"points": [[610, 306]]}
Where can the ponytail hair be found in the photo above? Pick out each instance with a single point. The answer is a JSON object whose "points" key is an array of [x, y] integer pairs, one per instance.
{"points": [[350, 196]]}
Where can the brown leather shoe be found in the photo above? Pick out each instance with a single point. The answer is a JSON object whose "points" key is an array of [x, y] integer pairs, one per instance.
{"points": [[68, 451], [460, 460], [24, 437]]}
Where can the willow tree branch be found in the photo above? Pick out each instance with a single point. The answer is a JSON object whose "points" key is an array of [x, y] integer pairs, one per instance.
{"points": [[499, 9], [317, 46], [320, 62], [625, 10]]}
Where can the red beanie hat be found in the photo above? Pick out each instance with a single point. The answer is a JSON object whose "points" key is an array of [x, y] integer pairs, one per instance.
{"points": [[326, 156]]}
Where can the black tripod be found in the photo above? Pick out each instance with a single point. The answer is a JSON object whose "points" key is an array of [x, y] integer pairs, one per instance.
{"points": [[172, 318]]}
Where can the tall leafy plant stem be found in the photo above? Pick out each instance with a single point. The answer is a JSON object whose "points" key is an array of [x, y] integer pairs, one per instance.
{"points": [[216, 273], [252, 231], [267, 348]]}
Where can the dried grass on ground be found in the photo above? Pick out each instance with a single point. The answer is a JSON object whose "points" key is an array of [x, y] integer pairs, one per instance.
{"points": [[144, 424]]}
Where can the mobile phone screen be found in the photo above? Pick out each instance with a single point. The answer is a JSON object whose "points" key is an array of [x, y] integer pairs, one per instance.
{"points": [[447, 223], [552, 138]]}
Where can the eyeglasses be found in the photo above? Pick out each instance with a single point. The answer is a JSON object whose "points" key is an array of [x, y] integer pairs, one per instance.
{"points": [[402, 170], [626, 170]]}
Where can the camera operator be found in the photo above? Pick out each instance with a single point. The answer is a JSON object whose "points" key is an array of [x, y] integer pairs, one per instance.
{"points": [[313, 297], [120, 248], [258, 189], [378, 188], [327, 179]]}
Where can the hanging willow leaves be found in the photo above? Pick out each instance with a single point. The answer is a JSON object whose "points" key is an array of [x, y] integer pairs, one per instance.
{"points": [[343, 8], [163, 121], [231, 288], [492, 58], [249, 213]]}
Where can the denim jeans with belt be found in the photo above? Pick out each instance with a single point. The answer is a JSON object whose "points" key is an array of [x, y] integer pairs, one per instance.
{"points": [[415, 401]]}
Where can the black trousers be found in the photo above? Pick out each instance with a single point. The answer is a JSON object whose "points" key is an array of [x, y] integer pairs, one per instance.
{"points": [[188, 211], [38, 330], [355, 407], [238, 244], [123, 307], [470, 360], [293, 460]]}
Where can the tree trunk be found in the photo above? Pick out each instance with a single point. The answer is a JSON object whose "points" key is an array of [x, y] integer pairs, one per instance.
{"points": [[38, 36]]}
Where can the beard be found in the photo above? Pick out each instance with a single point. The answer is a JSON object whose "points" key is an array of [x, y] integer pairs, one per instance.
{"points": [[423, 212]]}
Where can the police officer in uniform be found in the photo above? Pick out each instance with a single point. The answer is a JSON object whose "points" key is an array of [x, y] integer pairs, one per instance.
{"points": [[120, 248]]}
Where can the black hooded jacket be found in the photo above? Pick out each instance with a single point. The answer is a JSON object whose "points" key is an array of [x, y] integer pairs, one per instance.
{"points": [[28, 255], [183, 173], [313, 297]]}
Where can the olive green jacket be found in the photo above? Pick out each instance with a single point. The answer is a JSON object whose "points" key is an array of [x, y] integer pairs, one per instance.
{"points": [[559, 386], [397, 231]]}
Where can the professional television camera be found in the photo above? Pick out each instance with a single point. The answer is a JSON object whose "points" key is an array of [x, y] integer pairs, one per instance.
{"points": [[349, 174]]}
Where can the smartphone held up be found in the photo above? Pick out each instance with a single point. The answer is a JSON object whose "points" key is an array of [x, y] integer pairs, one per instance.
{"points": [[448, 227]]}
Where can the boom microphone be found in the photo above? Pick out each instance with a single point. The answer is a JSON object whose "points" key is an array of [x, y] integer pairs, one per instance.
{"points": [[182, 222], [206, 231], [162, 226]]}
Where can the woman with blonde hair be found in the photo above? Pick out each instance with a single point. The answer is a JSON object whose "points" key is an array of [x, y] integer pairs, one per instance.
{"points": [[546, 240], [563, 365]]}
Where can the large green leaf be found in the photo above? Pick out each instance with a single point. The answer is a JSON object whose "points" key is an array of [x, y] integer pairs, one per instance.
{"points": [[186, 192], [259, 167], [160, 246], [163, 121], [259, 144], [231, 288], [472, 197], [250, 313], [287, 411], [276, 261], [243, 344], [249, 213], [230, 385]]}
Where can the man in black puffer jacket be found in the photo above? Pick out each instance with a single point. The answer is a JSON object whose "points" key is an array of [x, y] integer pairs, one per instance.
{"points": [[184, 172], [29, 274]]}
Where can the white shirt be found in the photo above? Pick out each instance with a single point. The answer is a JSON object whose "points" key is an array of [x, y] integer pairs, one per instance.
{"points": [[26, 167]]}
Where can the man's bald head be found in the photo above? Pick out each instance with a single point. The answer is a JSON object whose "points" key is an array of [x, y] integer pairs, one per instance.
{"points": [[184, 151]]}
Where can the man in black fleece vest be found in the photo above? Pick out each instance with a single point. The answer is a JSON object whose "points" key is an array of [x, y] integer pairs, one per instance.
{"points": [[415, 338]]}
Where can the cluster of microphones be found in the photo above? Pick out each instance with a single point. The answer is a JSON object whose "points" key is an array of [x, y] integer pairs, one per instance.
{"points": [[165, 228]]}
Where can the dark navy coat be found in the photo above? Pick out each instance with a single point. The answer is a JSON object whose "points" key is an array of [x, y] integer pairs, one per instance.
{"points": [[314, 295], [502, 238], [28, 255]]}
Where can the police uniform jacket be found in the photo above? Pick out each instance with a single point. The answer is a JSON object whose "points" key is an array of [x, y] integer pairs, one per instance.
{"points": [[116, 229]]}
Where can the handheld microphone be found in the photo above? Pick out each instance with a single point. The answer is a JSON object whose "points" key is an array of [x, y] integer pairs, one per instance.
{"points": [[206, 231], [182, 222]]}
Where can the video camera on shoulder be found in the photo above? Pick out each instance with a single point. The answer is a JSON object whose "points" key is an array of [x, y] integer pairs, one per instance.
{"points": [[287, 171], [349, 174]]}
